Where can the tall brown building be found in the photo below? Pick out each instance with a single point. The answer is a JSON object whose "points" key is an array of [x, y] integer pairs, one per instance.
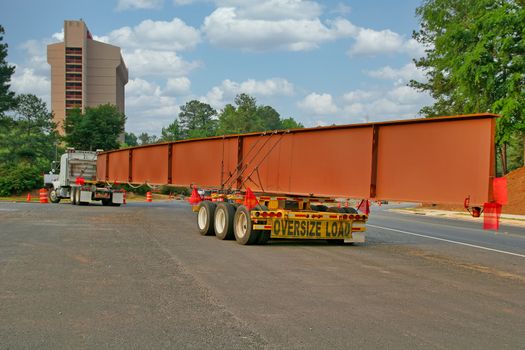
{"points": [[84, 72]]}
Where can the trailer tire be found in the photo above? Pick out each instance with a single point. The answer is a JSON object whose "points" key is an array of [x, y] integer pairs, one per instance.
{"points": [[223, 221], [205, 217], [243, 228], [52, 194]]}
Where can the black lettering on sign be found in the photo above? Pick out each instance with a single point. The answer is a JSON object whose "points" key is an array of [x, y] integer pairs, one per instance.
{"points": [[295, 228], [347, 229], [311, 227], [334, 229], [304, 230], [277, 227], [318, 228]]}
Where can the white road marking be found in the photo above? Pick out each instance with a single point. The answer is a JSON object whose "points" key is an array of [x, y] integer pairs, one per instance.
{"points": [[448, 240]]}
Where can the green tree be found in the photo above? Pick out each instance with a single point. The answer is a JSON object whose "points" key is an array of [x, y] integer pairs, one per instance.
{"points": [[196, 119], [290, 123], [97, 128], [130, 139], [171, 132], [247, 116], [475, 62], [7, 98], [146, 139], [28, 144]]}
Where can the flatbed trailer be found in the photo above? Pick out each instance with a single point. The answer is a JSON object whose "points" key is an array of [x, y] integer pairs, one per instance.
{"points": [[295, 173]]}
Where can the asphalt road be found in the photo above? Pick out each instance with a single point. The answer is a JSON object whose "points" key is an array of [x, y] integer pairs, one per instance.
{"points": [[141, 276]]}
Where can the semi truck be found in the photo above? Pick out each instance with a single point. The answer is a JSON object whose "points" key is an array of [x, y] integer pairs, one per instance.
{"points": [[74, 178]]}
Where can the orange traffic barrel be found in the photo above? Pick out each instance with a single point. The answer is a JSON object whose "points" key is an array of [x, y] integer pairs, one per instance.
{"points": [[43, 196], [148, 197]]}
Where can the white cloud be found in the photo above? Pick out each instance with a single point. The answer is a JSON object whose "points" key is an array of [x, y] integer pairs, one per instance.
{"points": [[225, 27], [371, 42], [400, 102], [148, 107], [359, 95], [320, 104], [273, 9], [403, 74], [157, 63], [178, 86], [217, 95], [155, 35], [139, 4], [26, 81]]}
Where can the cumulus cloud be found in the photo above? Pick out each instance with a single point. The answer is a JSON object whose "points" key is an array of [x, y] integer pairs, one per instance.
{"points": [[139, 4], [178, 86], [399, 102], [369, 42], [155, 35], [27, 81], [270, 87], [273, 9], [148, 107], [320, 104], [225, 27], [403, 74], [157, 63]]}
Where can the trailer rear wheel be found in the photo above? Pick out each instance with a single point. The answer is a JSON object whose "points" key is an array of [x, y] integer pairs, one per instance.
{"points": [[205, 217], [223, 222], [242, 227], [53, 196]]}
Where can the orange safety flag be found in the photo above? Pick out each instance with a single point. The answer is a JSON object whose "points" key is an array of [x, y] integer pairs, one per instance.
{"points": [[499, 190], [491, 214], [364, 206], [250, 201], [195, 197]]}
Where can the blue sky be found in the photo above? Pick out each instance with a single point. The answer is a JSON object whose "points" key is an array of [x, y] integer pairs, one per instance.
{"points": [[320, 62]]}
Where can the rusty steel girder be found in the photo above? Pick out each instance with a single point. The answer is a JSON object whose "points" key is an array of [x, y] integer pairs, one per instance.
{"points": [[437, 160]]}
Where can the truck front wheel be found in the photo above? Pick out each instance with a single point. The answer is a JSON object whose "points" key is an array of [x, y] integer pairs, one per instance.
{"points": [[205, 217], [53, 196], [242, 227]]}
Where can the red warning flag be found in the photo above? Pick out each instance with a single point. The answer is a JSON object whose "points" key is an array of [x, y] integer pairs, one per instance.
{"points": [[195, 197], [364, 206], [499, 189], [491, 214], [80, 181], [250, 201]]}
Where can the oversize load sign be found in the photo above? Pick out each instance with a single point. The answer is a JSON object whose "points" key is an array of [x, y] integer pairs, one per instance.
{"points": [[311, 229]]}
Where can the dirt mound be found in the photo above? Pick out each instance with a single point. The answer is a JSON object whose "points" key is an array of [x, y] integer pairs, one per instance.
{"points": [[515, 190]]}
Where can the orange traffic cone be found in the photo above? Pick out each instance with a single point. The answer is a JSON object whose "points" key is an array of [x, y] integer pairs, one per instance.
{"points": [[43, 196], [28, 199], [124, 199]]}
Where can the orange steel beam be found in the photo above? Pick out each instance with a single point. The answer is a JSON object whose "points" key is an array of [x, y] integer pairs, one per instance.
{"points": [[437, 160]]}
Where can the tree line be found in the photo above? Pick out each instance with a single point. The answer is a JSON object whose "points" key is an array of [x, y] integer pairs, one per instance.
{"points": [[198, 119]]}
